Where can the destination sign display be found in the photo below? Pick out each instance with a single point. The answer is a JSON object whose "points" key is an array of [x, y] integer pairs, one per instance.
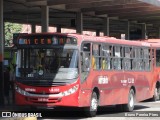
{"points": [[45, 40]]}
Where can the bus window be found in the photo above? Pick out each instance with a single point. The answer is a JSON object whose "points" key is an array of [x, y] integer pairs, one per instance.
{"points": [[127, 58], [141, 59], [146, 59], [48, 63], [138, 53], [135, 57], [106, 57], [146, 53], [96, 57], [85, 61], [146, 64], [116, 57], [142, 65], [152, 57], [86, 47], [158, 58]]}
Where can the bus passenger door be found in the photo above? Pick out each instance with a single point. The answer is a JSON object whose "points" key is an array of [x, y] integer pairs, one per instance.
{"points": [[85, 63]]}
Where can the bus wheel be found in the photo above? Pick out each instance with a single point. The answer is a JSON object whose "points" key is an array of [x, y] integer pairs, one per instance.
{"points": [[92, 109], [156, 95], [131, 101]]}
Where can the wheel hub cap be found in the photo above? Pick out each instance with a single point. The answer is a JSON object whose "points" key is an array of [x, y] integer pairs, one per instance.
{"points": [[131, 103], [94, 104]]}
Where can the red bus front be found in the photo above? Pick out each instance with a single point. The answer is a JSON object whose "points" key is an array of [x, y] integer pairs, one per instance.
{"points": [[47, 72]]}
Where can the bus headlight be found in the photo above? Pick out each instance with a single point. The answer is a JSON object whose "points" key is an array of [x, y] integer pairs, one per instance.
{"points": [[70, 91], [20, 91]]}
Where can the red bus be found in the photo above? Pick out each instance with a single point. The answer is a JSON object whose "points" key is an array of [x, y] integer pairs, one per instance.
{"points": [[83, 71], [156, 48]]}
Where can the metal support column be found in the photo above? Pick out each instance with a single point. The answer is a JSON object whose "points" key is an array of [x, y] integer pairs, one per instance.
{"points": [[97, 32], [106, 26], [44, 18], [1, 54], [33, 28], [127, 34], [144, 31], [59, 29], [158, 32], [79, 23]]}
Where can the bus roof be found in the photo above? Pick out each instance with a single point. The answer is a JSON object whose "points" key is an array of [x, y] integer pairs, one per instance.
{"points": [[153, 42], [105, 39], [111, 40]]}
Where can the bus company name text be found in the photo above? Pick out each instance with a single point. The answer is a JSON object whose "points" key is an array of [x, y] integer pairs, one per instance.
{"points": [[141, 114], [15, 114]]}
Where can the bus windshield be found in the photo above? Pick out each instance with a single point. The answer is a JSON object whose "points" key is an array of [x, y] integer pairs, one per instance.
{"points": [[55, 64]]}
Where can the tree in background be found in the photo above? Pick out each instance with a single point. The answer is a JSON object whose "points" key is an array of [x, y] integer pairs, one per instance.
{"points": [[11, 28]]}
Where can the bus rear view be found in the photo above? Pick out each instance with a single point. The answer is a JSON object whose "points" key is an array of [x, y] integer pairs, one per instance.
{"points": [[47, 70]]}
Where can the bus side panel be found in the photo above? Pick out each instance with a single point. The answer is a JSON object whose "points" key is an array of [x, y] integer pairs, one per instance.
{"points": [[105, 90], [151, 78], [84, 97], [142, 86], [111, 91], [103, 82], [116, 79], [86, 91], [116, 90], [105, 97]]}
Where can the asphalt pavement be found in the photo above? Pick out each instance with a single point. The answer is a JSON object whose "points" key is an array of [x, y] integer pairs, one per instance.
{"points": [[143, 111]]}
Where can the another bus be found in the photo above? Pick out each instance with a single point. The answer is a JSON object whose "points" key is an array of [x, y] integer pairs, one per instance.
{"points": [[83, 71], [156, 46]]}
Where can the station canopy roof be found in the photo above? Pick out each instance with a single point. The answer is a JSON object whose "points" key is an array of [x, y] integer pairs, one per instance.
{"points": [[63, 12]]}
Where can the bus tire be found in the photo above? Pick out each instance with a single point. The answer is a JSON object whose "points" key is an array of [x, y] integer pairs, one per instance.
{"points": [[92, 109], [156, 95], [131, 101]]}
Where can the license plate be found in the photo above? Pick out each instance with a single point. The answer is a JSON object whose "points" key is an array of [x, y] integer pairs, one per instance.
{"points": [[43, 99]]}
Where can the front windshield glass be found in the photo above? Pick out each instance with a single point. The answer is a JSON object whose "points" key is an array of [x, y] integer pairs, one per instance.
{"points": [[54, 64]]}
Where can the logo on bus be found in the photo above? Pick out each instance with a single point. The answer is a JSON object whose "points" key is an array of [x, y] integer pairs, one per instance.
{"points": [[54, 90], [145, 44], [128, 81], [102, 80], [30, 89]]}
